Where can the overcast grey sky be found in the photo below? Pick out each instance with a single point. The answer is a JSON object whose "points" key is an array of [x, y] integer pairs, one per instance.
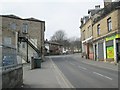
{"points": [[58, 14]]}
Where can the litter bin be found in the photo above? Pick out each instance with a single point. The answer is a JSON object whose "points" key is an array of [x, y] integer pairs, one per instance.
{"points": [[32, 63], [37, 62]]}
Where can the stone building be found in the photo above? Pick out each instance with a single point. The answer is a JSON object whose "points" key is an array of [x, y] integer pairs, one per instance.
{"points": [[106, 34], [53, 48], [105, 28], [87, 32], [33, 30], [8, 49], [20, 39]]}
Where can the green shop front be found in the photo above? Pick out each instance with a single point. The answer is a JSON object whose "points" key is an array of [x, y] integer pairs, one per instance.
{"points": [[113, 48]]}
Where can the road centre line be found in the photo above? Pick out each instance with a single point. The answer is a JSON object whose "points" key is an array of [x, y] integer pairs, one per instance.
{"points": [[72, 63], [78, 66], [102, 75], [99, 66], [82, 67]]}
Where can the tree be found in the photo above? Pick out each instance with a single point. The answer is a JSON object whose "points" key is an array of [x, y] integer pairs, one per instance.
{"points": [[72, 43], [75, 43], [59, 36]]}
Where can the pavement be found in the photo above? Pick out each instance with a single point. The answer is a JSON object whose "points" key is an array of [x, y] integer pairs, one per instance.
{"points": [[48, 76]]}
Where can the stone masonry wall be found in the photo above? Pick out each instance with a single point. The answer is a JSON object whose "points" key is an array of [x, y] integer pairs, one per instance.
{"points": [[12, 78]]}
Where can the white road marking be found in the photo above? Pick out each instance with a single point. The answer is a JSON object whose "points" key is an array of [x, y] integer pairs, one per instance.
{"points": [[66, 83], [88, 63], [102, 75], [82, 67], [72, 63], [58, 80], [66, 60], [99, 66]]}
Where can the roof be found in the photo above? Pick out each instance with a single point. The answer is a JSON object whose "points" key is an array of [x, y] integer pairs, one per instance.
{"points": [[93, 11], [107, 10], [53, 43], [16, 17], [11, 16], [33, 19]]}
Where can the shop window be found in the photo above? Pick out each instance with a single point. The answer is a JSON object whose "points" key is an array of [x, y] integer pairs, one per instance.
{"points": [[109, 23], [110, 52]]}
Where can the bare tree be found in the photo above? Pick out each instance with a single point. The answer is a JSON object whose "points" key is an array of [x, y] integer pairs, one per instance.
{"points": [[72, 43], [75, 43], [59, 36]]}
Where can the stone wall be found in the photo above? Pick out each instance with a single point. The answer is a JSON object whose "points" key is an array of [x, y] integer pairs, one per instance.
{"points": [[13, 77], [103, 24]]}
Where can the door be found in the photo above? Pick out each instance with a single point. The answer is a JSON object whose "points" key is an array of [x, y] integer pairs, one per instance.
{"points": [[118, 51], [100, 51], [95, 52]]}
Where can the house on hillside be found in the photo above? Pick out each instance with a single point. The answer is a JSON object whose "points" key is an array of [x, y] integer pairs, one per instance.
{"points": [[53, 48]]}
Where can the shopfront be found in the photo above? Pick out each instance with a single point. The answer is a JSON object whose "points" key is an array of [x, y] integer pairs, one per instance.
{"points": [[113, 48]]}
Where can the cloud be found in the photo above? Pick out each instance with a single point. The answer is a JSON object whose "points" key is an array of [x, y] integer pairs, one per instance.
{"points": [[58, 14]]}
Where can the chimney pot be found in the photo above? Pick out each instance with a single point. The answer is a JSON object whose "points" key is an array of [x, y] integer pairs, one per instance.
{"points": [[107, 2], [97, 6]]}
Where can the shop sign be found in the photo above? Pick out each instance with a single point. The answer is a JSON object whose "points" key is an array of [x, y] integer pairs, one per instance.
{"points": [[113, 37], [110, 52]]}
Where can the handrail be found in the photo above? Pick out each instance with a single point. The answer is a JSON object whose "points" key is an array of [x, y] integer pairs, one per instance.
{"points": [[29, 38], [33, 42], [22, 54]]}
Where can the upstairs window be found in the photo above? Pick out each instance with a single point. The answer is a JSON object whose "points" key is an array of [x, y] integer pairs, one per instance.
{"points": [[83, 35], [25, 28], [13, 26], [7, 41], [109, 23], [23, 45], [98, 29], [89, 31]]}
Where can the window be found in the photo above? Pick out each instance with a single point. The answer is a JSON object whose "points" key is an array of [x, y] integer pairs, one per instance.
{"points": [[89, 31], [23, 45], [109, 23], [84, 35], [25, 28], [98, 29], [13, 26], [7, 41]]}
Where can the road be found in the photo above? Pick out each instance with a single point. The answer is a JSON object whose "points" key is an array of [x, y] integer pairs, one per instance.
{"points": [[83, 75]]}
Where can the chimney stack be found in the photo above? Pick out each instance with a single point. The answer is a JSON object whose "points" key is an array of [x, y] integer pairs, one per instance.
{"points": [[97, 7], [107, 2]]}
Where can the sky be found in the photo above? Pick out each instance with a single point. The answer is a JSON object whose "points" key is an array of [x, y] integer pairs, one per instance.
{"points": [[58, 14]]}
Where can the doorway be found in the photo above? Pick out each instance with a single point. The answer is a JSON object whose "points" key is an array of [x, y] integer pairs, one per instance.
{"points": [[118, 51]]}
